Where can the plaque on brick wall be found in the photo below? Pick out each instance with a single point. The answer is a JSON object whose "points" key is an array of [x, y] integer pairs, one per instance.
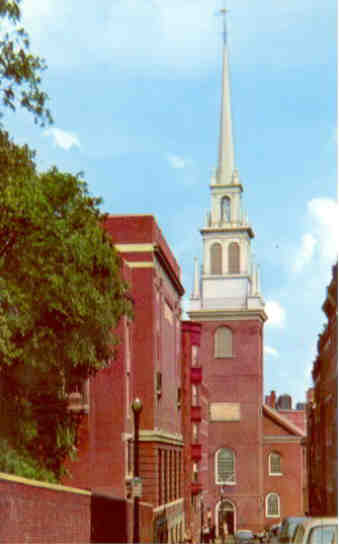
{"points": [[225, 412]]}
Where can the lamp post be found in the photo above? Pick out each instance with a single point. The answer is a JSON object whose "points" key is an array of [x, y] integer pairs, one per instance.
{"points": [[137, 408]]}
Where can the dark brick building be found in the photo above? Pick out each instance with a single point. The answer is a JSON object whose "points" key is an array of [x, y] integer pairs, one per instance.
{"points": [[323, 412]]}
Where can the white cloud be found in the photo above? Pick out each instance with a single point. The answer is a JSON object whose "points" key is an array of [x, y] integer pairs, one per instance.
{"points": [[324, 216], [271, 351], [63, 139], [305, 252], [185, 306], [176, 161], [319, 245], [276, 314]]}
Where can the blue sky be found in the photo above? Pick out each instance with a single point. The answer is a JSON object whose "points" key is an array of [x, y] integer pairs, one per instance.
{"points": [[135, 96]]}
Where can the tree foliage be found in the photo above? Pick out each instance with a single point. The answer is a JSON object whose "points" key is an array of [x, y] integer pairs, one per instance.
{"points": [[20, 81], [61, 295]]}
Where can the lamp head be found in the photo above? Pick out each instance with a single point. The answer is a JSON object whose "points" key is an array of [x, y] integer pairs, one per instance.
{"points": [[137, 405]]}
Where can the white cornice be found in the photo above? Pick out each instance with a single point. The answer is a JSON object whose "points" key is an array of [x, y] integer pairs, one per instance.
{"points": [[159, 436], [226, 315], [134, 247], [231, 230]]}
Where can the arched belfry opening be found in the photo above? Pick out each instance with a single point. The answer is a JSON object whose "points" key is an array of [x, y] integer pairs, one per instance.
{"points": [[216, 259], [226, 209]]}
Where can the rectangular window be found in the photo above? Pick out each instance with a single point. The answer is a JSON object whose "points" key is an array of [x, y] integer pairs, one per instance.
{"points": [[130, 457], [160, 477], [175, 475], [195, 472], [170, 455], [166, 476], [180, 478], [195, 433], [195, 395], [158, 384], [195, 362], [179, 397]]}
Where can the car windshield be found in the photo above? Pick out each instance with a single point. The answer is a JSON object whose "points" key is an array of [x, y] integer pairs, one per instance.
{"points": [[322, 534]]}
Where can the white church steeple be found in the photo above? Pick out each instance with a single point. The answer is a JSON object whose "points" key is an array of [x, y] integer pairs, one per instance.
{"points": [[229, 278], [226, 154]]}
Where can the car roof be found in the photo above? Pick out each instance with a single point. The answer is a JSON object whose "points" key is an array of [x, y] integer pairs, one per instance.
{"points": [[318, 521]]}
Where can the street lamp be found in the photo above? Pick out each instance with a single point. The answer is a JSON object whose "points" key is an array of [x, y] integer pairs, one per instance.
{"points": [[137, 408]]}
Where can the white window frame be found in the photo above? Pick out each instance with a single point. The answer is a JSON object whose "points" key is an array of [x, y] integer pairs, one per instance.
{"points": [[270, 472], [277, 515], [216, 474]]}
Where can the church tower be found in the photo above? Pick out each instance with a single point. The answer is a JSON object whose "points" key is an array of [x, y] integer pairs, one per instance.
{"points": [[226, 300]]}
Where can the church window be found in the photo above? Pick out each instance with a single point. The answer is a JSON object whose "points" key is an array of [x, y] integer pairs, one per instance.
{"points": [[274, 464], [224, 466], [216, 259], [272, 505], [234, 258], [226, 209], [223, 342]]}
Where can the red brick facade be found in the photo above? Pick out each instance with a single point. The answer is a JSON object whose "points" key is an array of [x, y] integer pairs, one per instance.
{"points": [[237, 381], [283, 439], [35, 512]]}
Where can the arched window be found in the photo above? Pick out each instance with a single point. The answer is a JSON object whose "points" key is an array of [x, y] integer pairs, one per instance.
{"points": [[234, 258], [274, 464], [223, 342], [224, 466], [272, 505], [226, 209], [216, 259]]}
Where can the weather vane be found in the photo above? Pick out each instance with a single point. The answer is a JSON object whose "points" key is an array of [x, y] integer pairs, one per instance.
{"points": [[223, 12]]}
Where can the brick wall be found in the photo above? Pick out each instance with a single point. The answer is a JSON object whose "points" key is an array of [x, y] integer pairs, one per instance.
{"points": [[36, 512]]}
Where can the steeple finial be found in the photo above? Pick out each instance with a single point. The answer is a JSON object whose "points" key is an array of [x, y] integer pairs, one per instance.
{"points": [[226, 154]]}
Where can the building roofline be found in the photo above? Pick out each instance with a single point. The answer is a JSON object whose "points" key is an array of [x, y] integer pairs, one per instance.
{"points": [[284, 422]]}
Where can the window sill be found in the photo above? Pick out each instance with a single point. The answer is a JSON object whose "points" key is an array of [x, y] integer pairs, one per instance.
{"points": [[226, 483], [276, 474], [272, 516]]}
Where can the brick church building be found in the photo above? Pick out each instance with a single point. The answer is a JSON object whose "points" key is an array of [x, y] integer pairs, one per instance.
{"points": [[255, 455]]}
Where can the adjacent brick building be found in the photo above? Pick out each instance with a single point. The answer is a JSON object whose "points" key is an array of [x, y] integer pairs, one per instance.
{"points": [[195, 428], [147, 365], [284, 461], [323, 412]]}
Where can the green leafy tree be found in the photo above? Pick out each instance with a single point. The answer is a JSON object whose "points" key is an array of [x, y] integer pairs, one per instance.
{"points": [[61, 295], [20, 81]]}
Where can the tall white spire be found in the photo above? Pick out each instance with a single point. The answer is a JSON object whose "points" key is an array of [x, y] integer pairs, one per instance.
{"points": [[226, 152], [228, 282]]}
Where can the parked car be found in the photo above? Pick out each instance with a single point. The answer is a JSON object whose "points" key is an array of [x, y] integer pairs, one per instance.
{"points": [[288, 527], [320, 530], [244, 536]]}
